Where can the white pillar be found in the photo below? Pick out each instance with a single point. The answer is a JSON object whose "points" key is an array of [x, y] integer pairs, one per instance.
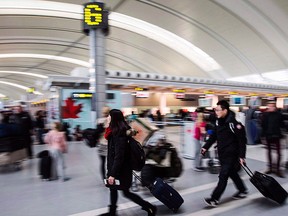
{"points": [[162, 103]]}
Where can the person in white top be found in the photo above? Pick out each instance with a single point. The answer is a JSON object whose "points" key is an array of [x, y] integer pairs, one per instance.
{"points": [[102, 142]]}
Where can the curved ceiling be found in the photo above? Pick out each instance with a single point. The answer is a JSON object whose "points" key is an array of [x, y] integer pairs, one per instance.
{"points": [[220, 39]]}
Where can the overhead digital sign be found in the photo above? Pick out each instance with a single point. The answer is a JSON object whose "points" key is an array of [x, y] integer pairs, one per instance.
{"points": [[81, 95], [95, 16]]}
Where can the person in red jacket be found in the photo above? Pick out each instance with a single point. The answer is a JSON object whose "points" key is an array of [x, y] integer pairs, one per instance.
{"points": [[199, 133]]}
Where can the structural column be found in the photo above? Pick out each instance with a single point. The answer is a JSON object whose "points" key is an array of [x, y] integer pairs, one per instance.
{"points": [[97, 68]]}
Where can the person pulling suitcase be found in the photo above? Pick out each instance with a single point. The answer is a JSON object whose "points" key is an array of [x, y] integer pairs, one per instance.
{"points": [[231, 143]]}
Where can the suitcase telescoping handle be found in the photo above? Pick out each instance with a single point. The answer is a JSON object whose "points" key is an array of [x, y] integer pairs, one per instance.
{"points": [[140, 179], [247, 170], [137, 176]]}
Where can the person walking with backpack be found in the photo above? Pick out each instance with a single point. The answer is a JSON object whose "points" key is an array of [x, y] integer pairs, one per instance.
{"points": [[231, 143], [119, 175]]}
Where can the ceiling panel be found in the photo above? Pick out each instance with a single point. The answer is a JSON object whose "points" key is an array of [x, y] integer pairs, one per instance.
{"points": [[243, 37]]}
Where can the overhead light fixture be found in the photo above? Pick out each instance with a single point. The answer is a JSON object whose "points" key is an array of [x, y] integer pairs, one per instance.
{"points": [[49, 57], [19, 86], [25, 73]]}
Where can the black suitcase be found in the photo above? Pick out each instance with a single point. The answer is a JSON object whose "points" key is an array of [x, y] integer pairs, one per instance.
{"points": [[148, 175], [45, 165], [267, 186], [165, 193], [89, 136]]}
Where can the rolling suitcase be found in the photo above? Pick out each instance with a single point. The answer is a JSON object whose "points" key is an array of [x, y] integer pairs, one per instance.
{"points": [[267, 185], [165, 193], [45, 165]]}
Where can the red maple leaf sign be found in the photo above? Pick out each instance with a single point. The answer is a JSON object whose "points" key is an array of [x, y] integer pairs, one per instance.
{"points": [[70, 110]]}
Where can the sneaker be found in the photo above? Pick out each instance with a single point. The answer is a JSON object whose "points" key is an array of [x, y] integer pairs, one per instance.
{"points": [[240, 195], [211, 202], [198, 169], [66, 179]]}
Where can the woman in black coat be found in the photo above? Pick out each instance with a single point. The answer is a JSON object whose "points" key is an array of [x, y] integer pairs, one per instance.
{"points": [[118, 164]]}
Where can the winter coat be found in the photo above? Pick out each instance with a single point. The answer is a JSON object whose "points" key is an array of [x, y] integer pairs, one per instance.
{"points": [[271, 124], [118, 160], [9, 130], [230, 136]]}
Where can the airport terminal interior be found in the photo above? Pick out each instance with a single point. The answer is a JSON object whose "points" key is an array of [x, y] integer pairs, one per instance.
{"points": [[162, 60], [24, 193]]}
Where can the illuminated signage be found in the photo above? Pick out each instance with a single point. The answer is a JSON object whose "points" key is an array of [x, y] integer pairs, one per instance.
{"points": [[208, 92], [30, 90], [233, 93], [81, 95], [141, 89], [94, 16], [142, 94], [179, 90], [179, 95]]}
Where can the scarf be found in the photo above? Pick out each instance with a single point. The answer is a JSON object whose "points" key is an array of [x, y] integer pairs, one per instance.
{"points": [[107, 133]]}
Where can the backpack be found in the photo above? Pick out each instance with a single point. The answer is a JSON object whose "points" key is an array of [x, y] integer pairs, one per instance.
{"points": [[91, 136], [242, 131], [137, 154]]}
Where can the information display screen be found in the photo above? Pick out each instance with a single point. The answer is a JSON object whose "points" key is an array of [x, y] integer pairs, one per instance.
{"points": [[94, 16]]}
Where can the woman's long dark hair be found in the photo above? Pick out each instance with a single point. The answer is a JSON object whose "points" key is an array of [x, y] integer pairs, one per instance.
{"points": [[118, 125]]}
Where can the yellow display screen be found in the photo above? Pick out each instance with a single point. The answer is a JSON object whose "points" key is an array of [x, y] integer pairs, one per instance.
{"points": [[80, 95], [95, 16]]}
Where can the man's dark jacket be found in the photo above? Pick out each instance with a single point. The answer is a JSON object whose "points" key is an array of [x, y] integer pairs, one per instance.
{"points": [[230, 136], [271, 124]]}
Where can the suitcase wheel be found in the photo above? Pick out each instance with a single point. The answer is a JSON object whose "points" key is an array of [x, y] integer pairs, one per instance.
{"points": [[175, 210]]}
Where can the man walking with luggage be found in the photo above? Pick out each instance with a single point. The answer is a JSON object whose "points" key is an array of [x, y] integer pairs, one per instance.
{"points": [[231, 143]]}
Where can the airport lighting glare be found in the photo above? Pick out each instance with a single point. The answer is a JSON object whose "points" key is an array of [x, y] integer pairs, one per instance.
{"points": [[274, 77]]}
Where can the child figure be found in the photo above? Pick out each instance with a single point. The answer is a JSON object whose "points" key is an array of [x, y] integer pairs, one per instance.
{"points": [[58, 146]]}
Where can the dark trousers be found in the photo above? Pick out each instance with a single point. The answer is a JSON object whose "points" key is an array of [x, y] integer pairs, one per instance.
{"points": [[103, 166], [229, 168], [28, 145], [40, 135], [274, 143], [131, 196]]}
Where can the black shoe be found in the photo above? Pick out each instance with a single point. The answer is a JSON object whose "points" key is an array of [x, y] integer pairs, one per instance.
{"points": [[240, 195], [280, 174], [211, 202], [199, 169], [151, 209], [66, 179]]}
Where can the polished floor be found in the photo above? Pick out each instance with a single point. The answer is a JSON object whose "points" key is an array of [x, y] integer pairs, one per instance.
{"points": [[24, 194]]}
